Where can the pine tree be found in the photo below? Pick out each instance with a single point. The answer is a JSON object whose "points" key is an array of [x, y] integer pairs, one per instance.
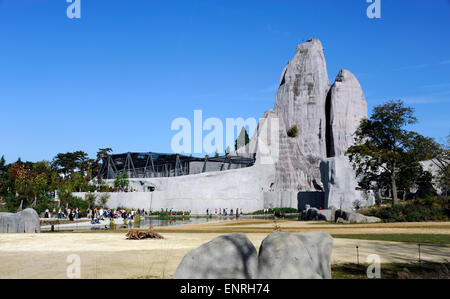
{"points": [[242, 139]]}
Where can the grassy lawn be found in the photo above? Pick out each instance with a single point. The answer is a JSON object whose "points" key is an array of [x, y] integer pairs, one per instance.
{"points": [[393, 271], [412, 238]]}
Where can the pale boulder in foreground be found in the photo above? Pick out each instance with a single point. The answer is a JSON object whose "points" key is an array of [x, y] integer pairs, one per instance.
{"points": [[295, 256], [26, 221], [230, 256], [281, 256]]}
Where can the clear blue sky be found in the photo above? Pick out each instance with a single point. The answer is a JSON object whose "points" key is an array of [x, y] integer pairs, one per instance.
{"points": [[119, 76]]}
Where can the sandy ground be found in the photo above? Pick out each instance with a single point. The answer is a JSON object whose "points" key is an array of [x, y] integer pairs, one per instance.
{"points": [[110, 255], [267, 226]]}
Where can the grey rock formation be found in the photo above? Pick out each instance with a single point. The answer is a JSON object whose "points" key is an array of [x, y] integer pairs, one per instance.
{"points": [[326, 119], [301, 97], [339, 180], [26, 221], [230, 256], [347, 108], [314, 214], [292, 170], [295, 256], [353, 217]]}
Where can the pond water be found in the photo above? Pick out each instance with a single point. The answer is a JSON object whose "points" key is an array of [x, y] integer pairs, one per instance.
{"points": [[144, 223], [147, 221]]}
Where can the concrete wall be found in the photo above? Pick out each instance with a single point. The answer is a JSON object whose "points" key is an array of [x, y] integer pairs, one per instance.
{"points": [[243, 188], [280, 199], [162, 199]]}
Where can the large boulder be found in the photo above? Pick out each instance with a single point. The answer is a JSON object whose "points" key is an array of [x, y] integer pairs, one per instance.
{"points": [[295, 256], [318, 215], [230, 256], [26, 221], [353, 217]]}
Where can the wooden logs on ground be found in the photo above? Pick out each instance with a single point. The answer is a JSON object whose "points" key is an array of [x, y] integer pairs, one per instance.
{"points": [[134, 234]]}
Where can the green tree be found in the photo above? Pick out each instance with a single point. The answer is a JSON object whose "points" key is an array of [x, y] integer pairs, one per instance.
{"points": [[39, 184], [384, 150], [97, 163], [103, 153], [90, 198], [4, 177], [121, 181], [242, 139], [68, 163], [103, 199]]}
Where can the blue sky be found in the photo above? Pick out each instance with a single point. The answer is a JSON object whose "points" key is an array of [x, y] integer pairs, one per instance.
{"points": [[118, 76]]}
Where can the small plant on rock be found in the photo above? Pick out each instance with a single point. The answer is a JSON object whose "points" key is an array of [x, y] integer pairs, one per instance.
{"points": [[293, 131]]}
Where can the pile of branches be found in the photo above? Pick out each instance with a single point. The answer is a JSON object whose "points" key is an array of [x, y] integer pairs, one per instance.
{"points": [[134, 234]]}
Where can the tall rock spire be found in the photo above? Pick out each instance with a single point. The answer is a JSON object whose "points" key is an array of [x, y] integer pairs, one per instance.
{"points": [[347, 107], [301, 97], [326, 118]]}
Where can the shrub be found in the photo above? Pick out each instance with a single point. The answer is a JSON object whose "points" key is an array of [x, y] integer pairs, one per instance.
{"points": [[112, 224], [293, 131], [167, 214], [103, 199], [428, 209], [90, 198], [44, 202], [78, 202]]}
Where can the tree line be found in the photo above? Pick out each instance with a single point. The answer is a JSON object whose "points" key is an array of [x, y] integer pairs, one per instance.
{"points": [[28, 184]]}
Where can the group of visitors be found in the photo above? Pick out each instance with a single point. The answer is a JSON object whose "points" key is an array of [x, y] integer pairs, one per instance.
{"points": [[225, 212], [126, 190], [101, 214], [171, 212], [68, 213]]}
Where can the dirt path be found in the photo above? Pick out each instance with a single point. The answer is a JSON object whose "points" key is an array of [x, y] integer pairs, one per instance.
{"points": [[110, 255]]}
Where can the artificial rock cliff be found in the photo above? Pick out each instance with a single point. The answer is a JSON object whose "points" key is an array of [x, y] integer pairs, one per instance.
{"points": [[326, 118], [301, 97]]}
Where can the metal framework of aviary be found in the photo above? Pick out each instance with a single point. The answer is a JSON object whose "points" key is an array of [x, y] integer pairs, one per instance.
{"points": [[150, 165]]}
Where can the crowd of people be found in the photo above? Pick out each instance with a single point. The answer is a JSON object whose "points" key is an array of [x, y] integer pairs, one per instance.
{"points": [[97, 214], [68, 213], [225, 212], [94, 214]]}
